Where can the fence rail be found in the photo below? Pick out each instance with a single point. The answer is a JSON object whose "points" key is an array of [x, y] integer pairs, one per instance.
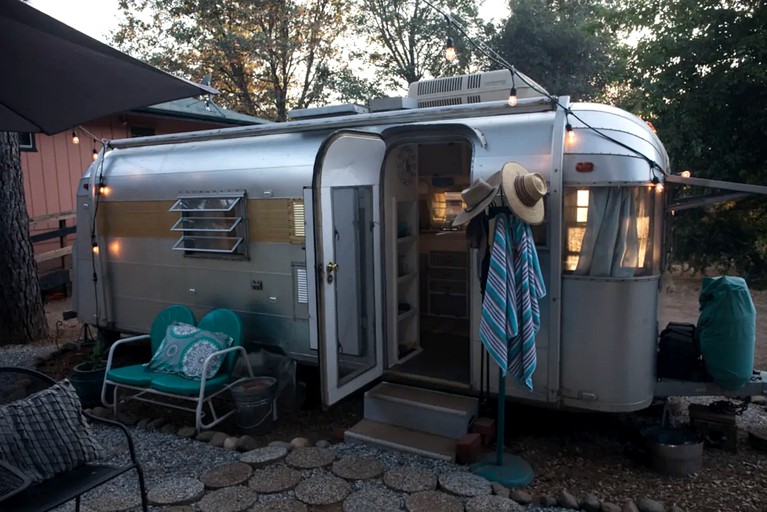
{"points": [[60, 276]]}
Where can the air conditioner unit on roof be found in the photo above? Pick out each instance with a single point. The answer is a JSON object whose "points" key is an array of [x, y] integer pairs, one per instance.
{"points": [[475, 88]]}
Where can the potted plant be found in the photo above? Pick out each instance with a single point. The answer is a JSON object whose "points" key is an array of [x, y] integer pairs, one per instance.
{"points": [[88, 376]]}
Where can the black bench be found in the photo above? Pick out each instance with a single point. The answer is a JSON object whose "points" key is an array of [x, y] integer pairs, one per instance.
{"points": [[16, 492]]}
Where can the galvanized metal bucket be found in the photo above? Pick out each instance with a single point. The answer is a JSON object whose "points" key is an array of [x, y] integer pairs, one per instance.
{"points": [[254, 399], [674, 451]]}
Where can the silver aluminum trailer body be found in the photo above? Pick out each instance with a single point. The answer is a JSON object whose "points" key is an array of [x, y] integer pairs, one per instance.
{"points": [[334, 246]]}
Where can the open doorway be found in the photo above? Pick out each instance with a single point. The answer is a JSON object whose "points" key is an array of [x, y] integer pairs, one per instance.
{"points": [[430, 259]]}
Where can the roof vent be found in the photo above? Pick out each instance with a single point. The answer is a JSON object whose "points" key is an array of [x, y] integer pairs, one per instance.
{"points": [[347, 109], [392, 103], [475, 88]]}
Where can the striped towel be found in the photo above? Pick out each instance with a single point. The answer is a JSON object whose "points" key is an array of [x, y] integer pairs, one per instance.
{"points": [[511, 313]]}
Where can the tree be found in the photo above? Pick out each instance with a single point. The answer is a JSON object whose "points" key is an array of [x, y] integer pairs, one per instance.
{"points": [[700, 78], [22, 317], [406, 39], [266, 56], [569, 47]]}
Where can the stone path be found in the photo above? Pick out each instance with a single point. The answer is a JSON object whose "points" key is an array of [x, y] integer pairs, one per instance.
{"points": [[281, 479], [293, 477]]}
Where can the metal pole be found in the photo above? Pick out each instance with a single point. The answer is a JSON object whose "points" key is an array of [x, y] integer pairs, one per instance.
{"points": [[499, 444]]}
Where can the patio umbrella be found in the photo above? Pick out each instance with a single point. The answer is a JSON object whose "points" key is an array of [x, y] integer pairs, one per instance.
{"points": [[55, 77]]}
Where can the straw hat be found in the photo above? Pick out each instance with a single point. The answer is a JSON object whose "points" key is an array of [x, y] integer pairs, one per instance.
{"points": [[478, 197], [524, 192]]}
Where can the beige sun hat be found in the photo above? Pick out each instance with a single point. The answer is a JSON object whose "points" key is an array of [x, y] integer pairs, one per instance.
{"points": [[524, 192], [478, 197]]}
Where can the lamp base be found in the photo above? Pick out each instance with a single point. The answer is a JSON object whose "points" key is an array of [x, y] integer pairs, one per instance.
{"points": [[514, 472]]}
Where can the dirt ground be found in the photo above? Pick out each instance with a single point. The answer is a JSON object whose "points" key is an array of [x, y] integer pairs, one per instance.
{"points": [[679, 303], [580, 452]]}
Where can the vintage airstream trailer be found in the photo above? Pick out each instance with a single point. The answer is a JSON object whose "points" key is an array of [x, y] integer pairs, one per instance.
{"points": [[331, 236]]}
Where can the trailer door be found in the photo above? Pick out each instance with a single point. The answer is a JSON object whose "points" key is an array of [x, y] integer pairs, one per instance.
{"points": [[348, 262]]}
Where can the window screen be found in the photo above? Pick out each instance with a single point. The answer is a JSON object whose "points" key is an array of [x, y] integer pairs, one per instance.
{"points": [[211, 224]]}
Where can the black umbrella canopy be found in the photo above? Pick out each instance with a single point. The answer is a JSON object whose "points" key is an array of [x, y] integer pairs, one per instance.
{"points": [[54, 77]]}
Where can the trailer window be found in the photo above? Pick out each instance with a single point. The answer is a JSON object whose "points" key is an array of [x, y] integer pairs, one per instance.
{"points": [[211, 224], [609, 231]]}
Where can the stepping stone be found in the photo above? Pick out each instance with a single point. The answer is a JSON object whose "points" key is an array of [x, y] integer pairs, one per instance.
{"points": [[226, 475], [310, 458], [261, 457], [323, 490], [289, 505], [176, 491], [379, 499], [432, 501], [463, 483], [206, 435], [358, 469], [410, 480], [229, 499], [492, 503], [114, 503], [274, 479], [179, 508]]}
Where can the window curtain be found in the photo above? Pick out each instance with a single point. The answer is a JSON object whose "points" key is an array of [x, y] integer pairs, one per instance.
{"points": [[611, 243]]}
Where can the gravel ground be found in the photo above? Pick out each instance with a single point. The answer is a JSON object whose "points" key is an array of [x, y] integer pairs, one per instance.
{"points": [[165, 456], [583, 453]]}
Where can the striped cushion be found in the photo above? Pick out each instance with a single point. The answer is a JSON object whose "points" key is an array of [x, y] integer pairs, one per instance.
{"points": [[46, 433]]}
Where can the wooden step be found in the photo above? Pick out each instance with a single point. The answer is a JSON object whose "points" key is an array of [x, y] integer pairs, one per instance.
{"points": [[403, 439], [433, 412]]}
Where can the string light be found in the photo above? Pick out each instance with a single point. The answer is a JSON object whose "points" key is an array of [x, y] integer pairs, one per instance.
{"points": [[496, 58], [95, 247], [513, 93], [450, 54], [685, 174], [569, 130], [95, 154], [513, 97], [75, 138]]}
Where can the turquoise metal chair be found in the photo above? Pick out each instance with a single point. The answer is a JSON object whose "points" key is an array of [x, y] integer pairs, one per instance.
{"points": [[174, 391]]}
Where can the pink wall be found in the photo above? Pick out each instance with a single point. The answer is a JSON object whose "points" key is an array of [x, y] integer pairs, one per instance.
{"points": [[51, 173]]}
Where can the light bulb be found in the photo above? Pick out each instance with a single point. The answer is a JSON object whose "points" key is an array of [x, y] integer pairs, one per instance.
{"points": [[570, 133], [95, 154], [95, 248], [513, 97], [685, 174], [104, 190], [659, 187], [450, 49], [75, 138]]}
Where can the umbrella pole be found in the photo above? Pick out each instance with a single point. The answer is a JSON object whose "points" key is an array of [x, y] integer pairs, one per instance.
{"points": [[504, 468]]}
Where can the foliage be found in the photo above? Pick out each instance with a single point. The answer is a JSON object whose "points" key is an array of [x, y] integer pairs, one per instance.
{"points": [[569, 47], [266, 56], [406, 39], [699, 76]]}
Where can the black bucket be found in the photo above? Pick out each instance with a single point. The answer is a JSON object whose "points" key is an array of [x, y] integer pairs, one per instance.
{"points": [[254, 399]]}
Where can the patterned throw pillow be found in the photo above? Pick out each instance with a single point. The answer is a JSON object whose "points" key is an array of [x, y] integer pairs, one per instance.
{"points": [[184, 350], [46, 433]]}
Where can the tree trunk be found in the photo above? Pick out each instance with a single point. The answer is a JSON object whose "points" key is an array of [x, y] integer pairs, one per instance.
{"points": [[22, 317]]}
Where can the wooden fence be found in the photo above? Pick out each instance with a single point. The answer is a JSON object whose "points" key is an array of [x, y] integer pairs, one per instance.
{"points": [[53, 275]]}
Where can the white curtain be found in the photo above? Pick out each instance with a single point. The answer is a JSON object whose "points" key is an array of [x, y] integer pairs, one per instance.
{"points": [[611, 243]]}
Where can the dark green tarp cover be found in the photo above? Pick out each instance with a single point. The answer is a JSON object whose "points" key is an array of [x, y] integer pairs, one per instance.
{"points": [[727, 330]]}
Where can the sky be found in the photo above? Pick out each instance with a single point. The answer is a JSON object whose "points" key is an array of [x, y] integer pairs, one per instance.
{"points": [[98, 18]]}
